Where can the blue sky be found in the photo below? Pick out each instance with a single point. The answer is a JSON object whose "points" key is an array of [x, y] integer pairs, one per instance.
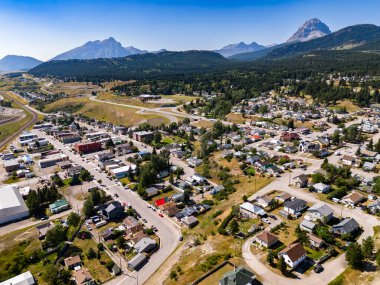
{"points": [[42, 28]]}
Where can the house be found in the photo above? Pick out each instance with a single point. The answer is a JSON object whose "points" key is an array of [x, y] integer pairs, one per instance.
{"points": [[59, 206], [216, 189], [238, 276], [307, 225], [194, 162], [190, 221], [293, 254], [288, 137], [264, 201], [282, 198], [134, 229], [294, 207], [347, 226], [253, 159], [314, 241], [130, 221], [266, 239], [350, 161], [72, 262], [374, 207], [11, 165], [306, 146], [137, 261], [369, 166], [146, 245], [321, 212], [83, 277], [321, 188], [300, 181], [43, 229], [114, 210], [151, 191], [248, 210], [353, 199], [169, 208]]}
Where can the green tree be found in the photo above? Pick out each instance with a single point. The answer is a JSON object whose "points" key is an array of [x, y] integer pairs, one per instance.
{"points": [[370, 144], [120, 242], [74, 180], [54, 276], [56, 235], [91, 253], [354, 255], [88, 208], [234, 226], [73, 219], [270, 257], [281, 265], [368, 247]]}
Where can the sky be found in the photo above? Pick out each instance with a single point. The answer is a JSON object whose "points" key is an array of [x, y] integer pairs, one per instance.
{"points": [[43, 29]]}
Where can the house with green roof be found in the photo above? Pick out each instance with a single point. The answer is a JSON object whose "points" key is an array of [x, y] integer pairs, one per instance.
{"points": [[238, 276], [59, 206]]}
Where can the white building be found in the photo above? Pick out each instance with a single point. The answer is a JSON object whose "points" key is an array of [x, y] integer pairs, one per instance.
{"points": [[293, 254], [25, 278], [12, 206]]}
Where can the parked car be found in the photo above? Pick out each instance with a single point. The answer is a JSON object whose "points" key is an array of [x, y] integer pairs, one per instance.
{"points": [[318, 268]]}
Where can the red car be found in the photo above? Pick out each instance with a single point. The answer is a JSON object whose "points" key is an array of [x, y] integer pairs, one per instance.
{"points": [[161, 215]]}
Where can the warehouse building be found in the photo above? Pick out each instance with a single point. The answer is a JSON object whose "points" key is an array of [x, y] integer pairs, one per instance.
{"points": [[12, 205], [25, 278], [88, 147]]}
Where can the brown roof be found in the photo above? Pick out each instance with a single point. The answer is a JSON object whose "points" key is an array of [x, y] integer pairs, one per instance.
{"points": [[348, 157], [134, 229], [130, 221], [355, 197], [267, 237], [72, 260], [294, 251], [167, 205], [136, 237], [314, 238], [82, 276]]}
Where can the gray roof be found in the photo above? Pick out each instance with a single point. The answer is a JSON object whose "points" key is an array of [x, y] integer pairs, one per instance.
{"points": [[295, 204], [308, 224], [324, 209], [145, 245], [239, 276], [137, 260], [348, 224]]}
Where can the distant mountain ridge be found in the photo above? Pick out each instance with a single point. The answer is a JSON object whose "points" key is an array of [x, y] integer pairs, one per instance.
{"points": [[241, 47], [18, 62], [310, 30], [136, 66], [108, 48]]}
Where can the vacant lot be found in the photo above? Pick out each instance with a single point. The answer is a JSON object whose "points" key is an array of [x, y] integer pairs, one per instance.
{"points": [[104, 112], [217, 275]]}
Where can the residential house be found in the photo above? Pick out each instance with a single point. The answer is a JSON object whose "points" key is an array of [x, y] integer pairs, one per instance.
{"points": [[59, 206], [72, 262], [295, 206], [314, 241], [194, 162], [130, 221], [282, 198], [321, 212], [353, 199], [264, 201], [266, 239], [347, 226], [369, 166], [137, 261], [145, 245], [293, 254], [374, 207], [114, 210], [248, 210], [43, 229], [238, 276], [169, 209], [321, 188], [83, 277], [300, 181], [307, 225], [190, 221], [151, 191], [350, 161]]}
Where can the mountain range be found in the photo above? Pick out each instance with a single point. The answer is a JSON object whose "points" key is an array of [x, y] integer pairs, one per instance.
{"points": [[241, 47], [17, 62]]}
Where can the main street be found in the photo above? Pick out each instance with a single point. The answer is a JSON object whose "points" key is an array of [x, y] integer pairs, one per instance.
{"points": [[168, 232]]}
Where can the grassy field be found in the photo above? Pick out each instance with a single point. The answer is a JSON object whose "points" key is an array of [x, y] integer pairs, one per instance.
{"points": [[104, 112], [235, 118], [350, 107], [217, 275], [166, 99], [73, 89], [203, 124]]}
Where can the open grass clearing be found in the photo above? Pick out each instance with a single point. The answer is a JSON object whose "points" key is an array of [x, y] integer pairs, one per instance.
{"points": [[217, 275]]}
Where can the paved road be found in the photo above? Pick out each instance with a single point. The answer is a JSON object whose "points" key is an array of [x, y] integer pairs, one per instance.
{"points": [[167, 231]]}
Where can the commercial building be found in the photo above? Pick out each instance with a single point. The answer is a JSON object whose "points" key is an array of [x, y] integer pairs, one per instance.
{"points": [[12, 205], [52, 160], [143, 136], [11, 165], [123, 171], [88, 147], [137, 261]]}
